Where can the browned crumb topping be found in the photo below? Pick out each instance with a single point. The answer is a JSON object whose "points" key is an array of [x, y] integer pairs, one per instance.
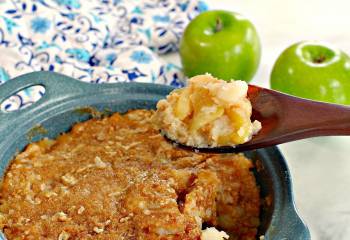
{"points": [[117, 178]]}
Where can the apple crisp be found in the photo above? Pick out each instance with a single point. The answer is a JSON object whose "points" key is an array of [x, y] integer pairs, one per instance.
{"points": [[117, 178], [207, 113]]}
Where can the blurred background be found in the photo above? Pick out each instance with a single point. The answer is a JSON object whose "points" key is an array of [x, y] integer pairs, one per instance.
{"points": [[320, 167]]}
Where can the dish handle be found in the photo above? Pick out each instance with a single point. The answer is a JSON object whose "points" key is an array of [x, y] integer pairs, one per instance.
{"points": [[57, 86]]}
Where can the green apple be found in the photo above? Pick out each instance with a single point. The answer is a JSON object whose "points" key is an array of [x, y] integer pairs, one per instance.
{"points": [[222, 43], [313, 70]]}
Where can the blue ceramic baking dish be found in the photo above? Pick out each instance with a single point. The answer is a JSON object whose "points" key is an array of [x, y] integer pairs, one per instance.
{"points": [[57, 111]]}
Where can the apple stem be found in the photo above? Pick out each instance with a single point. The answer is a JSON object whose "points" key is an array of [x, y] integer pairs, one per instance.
{"points": [[320, 59], [218, 26]]}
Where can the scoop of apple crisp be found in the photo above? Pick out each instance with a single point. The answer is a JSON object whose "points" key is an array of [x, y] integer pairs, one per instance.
{"points": [[207, 113]]}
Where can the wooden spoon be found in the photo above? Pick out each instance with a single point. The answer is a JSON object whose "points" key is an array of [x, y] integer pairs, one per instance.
{"points": [[285, 118]]}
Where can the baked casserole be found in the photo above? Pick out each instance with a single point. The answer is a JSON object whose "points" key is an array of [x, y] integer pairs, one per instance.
{"points": [[117, 178]]}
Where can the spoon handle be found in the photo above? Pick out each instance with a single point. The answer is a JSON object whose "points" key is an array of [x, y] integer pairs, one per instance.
{"points": [[293, 118], [311, 119], [285, 118]]}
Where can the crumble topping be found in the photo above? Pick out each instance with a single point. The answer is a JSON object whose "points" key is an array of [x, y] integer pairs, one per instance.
{"points": [[118, 178], [213, 234]]}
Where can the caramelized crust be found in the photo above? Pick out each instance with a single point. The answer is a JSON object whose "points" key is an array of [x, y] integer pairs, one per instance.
{"points": [[117, 178]]}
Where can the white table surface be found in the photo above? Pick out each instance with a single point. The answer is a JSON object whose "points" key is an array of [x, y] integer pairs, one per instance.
{"points": [[320, 167]]}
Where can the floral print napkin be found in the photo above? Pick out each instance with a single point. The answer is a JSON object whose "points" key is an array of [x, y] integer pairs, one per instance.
{"points": [[92, 40]]}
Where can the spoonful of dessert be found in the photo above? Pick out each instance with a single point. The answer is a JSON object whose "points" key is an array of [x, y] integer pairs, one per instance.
{"points": [[212, 115]]}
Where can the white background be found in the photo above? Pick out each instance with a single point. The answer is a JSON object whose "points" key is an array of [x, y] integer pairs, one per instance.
{"points": [[320, 167]]}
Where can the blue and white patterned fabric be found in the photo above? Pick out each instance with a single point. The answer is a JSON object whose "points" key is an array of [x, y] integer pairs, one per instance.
{"points": [[92, 40]]}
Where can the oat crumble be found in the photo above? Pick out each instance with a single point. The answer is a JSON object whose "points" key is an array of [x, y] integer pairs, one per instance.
{"points": [[74, 188]]}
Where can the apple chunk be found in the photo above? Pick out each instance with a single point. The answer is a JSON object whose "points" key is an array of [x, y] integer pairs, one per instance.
{"points": [[204, 116], [239, 120], [183, 106]]}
